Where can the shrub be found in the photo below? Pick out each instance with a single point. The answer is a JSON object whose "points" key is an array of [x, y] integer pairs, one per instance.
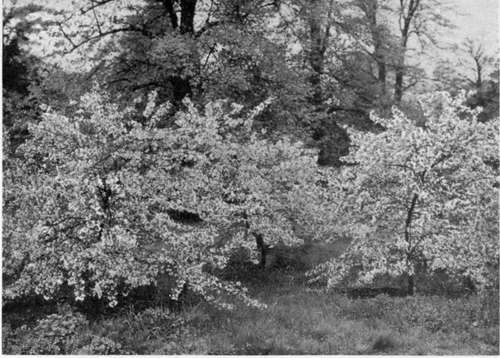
{"points": [[100, 346], [54, 334], [142, 332]]}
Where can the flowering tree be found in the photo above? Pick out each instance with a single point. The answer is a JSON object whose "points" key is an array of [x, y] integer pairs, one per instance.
{"points": [[422, 195], [92, 204]]}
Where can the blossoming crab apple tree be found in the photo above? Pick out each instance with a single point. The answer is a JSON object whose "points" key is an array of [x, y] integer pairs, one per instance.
{"points": [[88, 201], [422, 195], [278, 195]]}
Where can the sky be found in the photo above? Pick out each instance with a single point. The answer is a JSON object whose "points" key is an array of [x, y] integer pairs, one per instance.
{"points": [[476, 19], [480, 20]]}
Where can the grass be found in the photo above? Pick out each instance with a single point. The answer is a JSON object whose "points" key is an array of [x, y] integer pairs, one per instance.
{"points": [[300, 320]]}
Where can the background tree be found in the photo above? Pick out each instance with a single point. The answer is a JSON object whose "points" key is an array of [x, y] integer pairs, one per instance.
{"points": [[475, 71], [242, 51], [19, 69], [486, 89], [420, 18], [371, 48]]}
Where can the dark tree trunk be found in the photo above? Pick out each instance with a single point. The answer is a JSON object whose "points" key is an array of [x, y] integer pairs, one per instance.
{"points": [[411, 285], [408, 16], [410, 254], [259, 240], [334, 141], [371, 8], [181, 86], [188, 9], [316, 60], [382, 75], [409, 218], [479, 78], [400, 71], [262, 249], [398, 86], [169, 8]]}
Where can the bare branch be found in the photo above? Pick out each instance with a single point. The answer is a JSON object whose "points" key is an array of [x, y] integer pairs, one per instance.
{"points": [[98, 36], [95, 4], [97, 21]]}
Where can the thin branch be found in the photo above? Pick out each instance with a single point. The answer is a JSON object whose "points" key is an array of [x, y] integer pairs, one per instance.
{"points": [[95, 4], [210, 52], [97, 22], [206, 27], [96, 37], [66, 36]]}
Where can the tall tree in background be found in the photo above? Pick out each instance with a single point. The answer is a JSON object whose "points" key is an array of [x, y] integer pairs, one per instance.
{"points": [[476, 52], [204, 48], [319, 16], [363, 62], [378, 34], [407, 13], [475, 71], [484, 79], [421, 19], [20, 71], [199, 49], [134, 37], [210, 49]]}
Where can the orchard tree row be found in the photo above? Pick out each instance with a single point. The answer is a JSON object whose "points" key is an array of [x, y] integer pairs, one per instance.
{"points": [[144, 139]]}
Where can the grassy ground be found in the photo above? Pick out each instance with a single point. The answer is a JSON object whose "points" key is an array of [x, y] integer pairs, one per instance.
{"points": [[298, 320], [303, 321]]}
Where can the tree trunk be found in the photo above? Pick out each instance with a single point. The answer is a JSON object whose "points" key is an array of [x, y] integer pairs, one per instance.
{"points": [[188, 9], [479, 78], [316, 53], [409, 11], [334, 139], [398, 85], [371, 9], [262, 249], [169, 8], [409, 252], [181, 86], [400, 71], [382, 75], [411, 285]]}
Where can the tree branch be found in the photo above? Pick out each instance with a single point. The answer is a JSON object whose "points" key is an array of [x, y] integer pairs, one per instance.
{"points": [[95, 4], [96, 37]]}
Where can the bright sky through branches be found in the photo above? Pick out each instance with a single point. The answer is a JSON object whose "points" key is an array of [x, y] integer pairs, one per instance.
{"points": [[477, 19]]}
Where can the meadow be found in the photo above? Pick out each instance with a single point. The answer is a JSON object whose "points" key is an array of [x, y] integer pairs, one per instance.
{"points": [[298, 320]]}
